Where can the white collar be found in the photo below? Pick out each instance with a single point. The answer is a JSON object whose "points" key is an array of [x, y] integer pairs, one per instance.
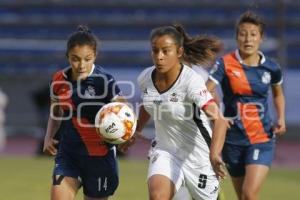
{"points": [[92, 70], [237, 55]]}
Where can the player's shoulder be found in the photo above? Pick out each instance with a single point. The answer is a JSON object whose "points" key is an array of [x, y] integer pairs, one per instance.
{"points": [[145, 75], [60, 74], [189, 74], [270, 63], [100, 71]]}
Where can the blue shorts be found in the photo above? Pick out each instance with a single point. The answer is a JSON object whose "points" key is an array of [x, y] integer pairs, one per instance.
{"points": [[237, 157], [98, 175]]}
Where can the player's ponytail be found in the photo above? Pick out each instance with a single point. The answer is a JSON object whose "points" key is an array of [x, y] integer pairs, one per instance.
{"points": [[83, 36], [200, 49]]}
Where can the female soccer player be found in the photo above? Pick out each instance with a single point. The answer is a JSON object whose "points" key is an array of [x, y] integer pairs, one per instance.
{"points": [[77, 93], [245, 76], [175, 96]]}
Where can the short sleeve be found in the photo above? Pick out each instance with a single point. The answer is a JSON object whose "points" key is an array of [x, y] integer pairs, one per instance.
{"points": [[276, 76], [53, 95], [197, 91], [56, 84], [201, 71], [217, 73], [144, 76]]}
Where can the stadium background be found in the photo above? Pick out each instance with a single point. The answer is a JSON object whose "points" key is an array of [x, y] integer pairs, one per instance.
{"points": [[33, 37]]}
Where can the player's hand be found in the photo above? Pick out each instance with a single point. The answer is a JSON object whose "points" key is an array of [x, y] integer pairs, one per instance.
{"points": [[125, 146], [280, 128], [50, 146], [218, 166]]}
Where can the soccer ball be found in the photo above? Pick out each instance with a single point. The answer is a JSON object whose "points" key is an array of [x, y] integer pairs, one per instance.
{"points": [[115, 122]]}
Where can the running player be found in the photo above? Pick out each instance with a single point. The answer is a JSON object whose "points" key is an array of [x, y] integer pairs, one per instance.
{"points": [[77, 93], [245, 76], [175, 96]]}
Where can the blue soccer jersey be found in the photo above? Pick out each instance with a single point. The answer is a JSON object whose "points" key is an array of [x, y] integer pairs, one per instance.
{"points": [[80, 101], [245, 92]]}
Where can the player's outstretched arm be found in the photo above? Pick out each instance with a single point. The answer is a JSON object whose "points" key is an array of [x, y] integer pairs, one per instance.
{"points": [[218, 138], [52, 127]]}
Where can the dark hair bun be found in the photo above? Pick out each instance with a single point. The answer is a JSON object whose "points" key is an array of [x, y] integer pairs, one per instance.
{"points": [[83, 28]]}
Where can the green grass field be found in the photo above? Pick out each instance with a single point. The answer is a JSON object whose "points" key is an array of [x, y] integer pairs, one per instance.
{"points": [[28, 178]]}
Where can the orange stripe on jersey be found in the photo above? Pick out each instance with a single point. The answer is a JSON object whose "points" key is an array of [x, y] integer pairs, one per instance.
{"points": [[252, 123], [90, 138], [236, 75]]}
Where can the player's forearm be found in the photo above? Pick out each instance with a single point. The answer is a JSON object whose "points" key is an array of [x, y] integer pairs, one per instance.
{"points": [[279, 103], [218, 136], [211, 87], [219, 128], [52, 127], [54, 121]]}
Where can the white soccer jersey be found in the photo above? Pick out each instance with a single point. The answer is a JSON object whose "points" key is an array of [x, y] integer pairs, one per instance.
{"points": [[181, 126], [201, 71]]}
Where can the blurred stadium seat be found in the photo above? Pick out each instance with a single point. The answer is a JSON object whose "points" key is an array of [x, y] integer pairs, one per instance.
{"points": [[33, 36], [32, 26]]}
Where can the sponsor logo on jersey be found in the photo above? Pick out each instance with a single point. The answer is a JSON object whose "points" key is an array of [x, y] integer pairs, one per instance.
{"points": [[236, 73], [174, 97], [266, 77], [203, 92], [215, 190], [89, 92], [157, 102]]}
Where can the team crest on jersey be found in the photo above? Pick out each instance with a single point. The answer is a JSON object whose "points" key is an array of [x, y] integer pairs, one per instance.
{"points": [[266, 77], [89, 92], [174, 97]]}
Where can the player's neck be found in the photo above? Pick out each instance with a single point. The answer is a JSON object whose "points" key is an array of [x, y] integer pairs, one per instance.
{"points": [[251, 60], [170, 76], [165, 80]]}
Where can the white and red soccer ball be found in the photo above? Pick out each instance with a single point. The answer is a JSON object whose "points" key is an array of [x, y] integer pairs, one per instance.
{"points": [[115, 122]]}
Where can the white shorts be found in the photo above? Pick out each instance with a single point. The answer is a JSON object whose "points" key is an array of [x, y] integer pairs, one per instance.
{"points": [[201, 182]]}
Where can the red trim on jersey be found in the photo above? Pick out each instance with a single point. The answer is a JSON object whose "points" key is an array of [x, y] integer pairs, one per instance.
{"points": [[90, 138], [236, 75], [207, 103], [252, 123], [62, 90]]}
